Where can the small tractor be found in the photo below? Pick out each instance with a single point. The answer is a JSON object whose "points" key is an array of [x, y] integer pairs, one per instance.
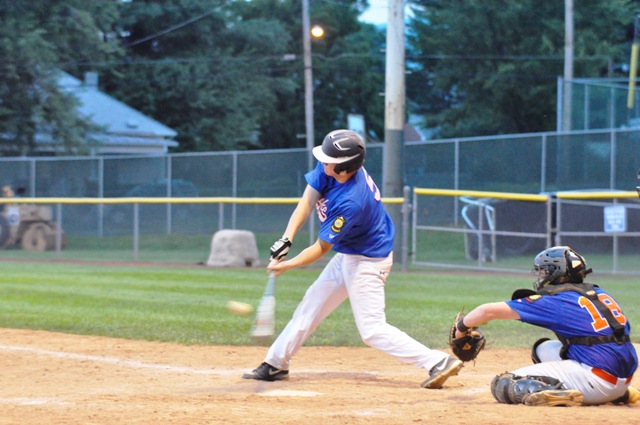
{"points": [[29, 226]]}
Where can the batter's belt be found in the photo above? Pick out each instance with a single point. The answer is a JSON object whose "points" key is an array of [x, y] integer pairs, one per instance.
{"points": [[613, 380]]}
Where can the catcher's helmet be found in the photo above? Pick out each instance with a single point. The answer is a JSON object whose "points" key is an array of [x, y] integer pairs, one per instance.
{"points": [[342, 147], [559, 264]]}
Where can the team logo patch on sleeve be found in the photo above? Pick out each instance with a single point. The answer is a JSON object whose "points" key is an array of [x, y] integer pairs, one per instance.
{"points": [[338, 224], [529, 299]]}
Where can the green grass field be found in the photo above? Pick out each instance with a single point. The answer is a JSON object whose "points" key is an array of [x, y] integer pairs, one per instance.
{"points": [[190, 249], [187, 305], [161, 248]]}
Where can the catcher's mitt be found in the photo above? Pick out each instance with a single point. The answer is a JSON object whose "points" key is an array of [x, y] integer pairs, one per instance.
{"points": [[469, 346]]}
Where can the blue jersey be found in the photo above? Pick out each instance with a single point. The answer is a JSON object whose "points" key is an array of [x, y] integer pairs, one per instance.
{"points": [[352, 217], [569, 314]]}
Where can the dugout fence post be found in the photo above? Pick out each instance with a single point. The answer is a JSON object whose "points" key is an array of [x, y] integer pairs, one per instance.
{"points": [[136, 230], [59, 229], [406, 217]]}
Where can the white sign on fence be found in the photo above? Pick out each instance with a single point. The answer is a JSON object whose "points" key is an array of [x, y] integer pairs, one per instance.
{"points": [[615, 219]]}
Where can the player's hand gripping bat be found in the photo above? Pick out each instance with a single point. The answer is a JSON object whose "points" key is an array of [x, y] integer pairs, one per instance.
{"points": [[265, 324]]}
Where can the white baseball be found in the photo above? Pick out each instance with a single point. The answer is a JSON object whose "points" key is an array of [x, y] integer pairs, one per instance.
{"points": [[239, 308]]}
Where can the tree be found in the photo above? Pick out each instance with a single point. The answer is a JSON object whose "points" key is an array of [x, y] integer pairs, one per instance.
{"points": [[201, 70], [348, 69], [491, 66], [351, 79], [35, 36], [231, 75]]}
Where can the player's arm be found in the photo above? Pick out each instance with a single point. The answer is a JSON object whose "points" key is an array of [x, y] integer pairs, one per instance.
{"points": [[487, 312], [306, 205], [300, 215], [307, 256]]}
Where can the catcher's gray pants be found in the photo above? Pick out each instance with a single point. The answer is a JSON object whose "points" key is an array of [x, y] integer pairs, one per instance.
{"points": [[362, 280]]}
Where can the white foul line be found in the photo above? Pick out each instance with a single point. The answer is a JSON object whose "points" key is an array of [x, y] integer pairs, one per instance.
{"points": [[23, 401], [117, 361]]}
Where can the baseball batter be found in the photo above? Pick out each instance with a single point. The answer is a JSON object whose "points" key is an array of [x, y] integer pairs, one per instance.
{"points": [[355, 225], [592, 361]]}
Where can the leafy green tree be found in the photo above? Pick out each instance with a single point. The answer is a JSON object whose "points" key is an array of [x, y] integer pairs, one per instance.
{"points": [[491, 66], [231, 75], [35, 37], [201, 70], [348, 69], [350, 78]]}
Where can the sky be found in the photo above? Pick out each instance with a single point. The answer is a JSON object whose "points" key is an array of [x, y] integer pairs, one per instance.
{"points": [[377, 13]]}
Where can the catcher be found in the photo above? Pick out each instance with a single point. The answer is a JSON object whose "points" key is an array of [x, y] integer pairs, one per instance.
{"points": [[592, 362]]}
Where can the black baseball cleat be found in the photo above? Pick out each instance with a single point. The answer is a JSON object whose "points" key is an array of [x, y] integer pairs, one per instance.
{"points": [[266, 372], [438, 374]]}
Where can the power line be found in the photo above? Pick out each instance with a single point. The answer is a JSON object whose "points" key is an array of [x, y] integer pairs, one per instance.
{"points": [[344, 56], [170, 29]]}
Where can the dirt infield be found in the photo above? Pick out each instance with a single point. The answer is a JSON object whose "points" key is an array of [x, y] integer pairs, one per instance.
{"points": [[54, 378]]}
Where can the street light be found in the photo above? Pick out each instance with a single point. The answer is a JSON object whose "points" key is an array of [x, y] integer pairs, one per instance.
{"points": [[317, 31]]}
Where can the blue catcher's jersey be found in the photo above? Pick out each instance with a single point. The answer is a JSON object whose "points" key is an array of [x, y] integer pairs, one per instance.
{"points": [[570, 314], [352, 217]]}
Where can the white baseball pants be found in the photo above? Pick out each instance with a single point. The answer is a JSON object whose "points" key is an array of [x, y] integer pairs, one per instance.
{"points": [[575, 375], [362, 280]]}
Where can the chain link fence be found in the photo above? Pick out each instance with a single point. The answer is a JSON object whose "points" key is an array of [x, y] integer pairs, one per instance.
{"points": [[504, 231], [540, 163], [524, 163], [597, 103]]}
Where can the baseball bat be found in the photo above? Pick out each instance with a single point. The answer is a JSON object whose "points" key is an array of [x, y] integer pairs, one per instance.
{"points": [[265, 323]]}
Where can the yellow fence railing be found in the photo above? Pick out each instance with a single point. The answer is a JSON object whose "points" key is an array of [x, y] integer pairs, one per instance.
{"points": [[606, 222]]}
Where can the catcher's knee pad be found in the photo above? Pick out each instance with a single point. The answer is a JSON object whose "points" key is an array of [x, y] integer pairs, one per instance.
{"points": [[553, 382], [531, 384], [534, 355], [500, 387], [511, 389]]}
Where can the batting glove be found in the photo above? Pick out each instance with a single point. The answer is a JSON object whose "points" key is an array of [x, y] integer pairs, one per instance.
{"points": [[280, 248]]}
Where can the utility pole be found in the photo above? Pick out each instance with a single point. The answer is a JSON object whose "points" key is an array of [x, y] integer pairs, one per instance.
{"points": [[394, 119], [564, 150], [308, 82], [633, 65], [568, 65]]}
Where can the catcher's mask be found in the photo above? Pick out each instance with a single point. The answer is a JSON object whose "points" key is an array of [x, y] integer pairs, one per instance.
{"points": [[345, 148], [559, 264]]}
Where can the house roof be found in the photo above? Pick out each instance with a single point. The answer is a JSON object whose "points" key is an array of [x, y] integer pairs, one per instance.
{"points": [[124, 126]]}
